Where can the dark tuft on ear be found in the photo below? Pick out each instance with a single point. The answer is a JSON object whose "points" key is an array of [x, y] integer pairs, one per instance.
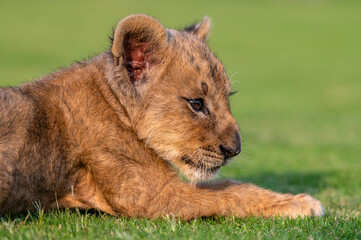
{"points": [[111, 36], [200, 30], [191, 28]]}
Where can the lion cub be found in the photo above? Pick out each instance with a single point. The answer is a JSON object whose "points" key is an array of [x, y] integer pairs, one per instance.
{"points": [[112, 132]]}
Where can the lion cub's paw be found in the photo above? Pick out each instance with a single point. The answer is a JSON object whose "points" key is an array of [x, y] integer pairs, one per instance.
{"points": [[304, 205]]}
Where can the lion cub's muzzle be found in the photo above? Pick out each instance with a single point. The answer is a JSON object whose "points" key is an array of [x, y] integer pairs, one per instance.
{"points": [[231, 147]]}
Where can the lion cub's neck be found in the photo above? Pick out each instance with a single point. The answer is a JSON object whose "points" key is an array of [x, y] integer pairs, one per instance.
{"points": [[72, 89]]}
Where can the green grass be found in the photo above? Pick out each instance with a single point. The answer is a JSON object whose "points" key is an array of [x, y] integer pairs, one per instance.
{"points": [[297, 68], [83, 225]]}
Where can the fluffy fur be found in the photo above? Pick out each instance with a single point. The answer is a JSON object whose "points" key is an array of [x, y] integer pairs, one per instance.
{"points": [[112, 132]]}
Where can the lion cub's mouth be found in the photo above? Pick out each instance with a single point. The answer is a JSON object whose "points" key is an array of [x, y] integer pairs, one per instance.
{"points": [[199, 165]]}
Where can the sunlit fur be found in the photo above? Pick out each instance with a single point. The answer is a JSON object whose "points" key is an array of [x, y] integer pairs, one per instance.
{"points": [[110, 133], [183, 63], [182, 132]]}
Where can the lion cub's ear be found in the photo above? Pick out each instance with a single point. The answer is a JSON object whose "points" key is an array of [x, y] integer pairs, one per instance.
{"points": [[138, 44], [200, 30]]}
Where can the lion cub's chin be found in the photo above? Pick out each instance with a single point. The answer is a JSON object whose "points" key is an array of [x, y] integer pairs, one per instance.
{"points": [[197, 174], [194, 171]]}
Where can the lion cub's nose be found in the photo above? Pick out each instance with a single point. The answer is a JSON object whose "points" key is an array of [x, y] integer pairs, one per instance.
{"points": [[233, 148]]}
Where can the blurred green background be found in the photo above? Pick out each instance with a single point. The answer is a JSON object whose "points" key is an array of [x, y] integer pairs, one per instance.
{"points": [[296, 66]]}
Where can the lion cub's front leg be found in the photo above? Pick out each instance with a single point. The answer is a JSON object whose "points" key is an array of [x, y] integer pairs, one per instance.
{"points": [[157, 191], [255, 201], [227, 198]]}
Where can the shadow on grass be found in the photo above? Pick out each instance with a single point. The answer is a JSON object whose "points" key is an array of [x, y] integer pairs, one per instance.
{"points": [[291, 182], [347, 181]]}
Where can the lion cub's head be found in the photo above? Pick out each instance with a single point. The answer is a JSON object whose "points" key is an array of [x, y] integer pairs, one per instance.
{"points": [[180, 92]]}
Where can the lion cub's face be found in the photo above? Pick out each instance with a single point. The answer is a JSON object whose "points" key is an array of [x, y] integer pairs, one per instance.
{"points": [[184, 112]]}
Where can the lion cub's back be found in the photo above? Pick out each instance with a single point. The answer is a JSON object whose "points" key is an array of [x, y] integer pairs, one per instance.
{"points": [[14, 117], [15, 113]]}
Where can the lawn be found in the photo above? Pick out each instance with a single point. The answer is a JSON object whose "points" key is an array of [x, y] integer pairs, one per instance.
{"points": [[297, 68]]}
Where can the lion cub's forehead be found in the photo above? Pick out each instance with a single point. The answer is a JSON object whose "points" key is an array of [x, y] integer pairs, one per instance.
{"points": [[198, 60]]}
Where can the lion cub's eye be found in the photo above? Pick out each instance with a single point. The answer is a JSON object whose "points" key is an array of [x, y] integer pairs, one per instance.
{"points": [[197, 104]]}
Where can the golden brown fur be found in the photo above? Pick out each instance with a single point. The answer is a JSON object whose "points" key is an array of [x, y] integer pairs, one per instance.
{"points": [[109, 133]]}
